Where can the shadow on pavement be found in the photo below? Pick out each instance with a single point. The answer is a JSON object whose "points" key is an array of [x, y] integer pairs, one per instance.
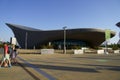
{"points": [[65, 68], [107, 67]]}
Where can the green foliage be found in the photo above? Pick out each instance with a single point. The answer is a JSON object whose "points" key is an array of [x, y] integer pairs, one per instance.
{"points": [[2, 44], [75, 47], [114, 46], [97, 47], [47, 46]]}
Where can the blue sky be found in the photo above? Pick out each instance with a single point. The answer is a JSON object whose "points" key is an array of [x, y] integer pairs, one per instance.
{"points": [[55, 14]]}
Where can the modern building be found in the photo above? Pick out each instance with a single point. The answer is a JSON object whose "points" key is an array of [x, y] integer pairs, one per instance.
{"points": [[118, 25], [29, 37]]}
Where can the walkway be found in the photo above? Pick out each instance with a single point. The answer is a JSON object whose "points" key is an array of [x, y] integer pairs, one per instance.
{"points": [[63, 67]]}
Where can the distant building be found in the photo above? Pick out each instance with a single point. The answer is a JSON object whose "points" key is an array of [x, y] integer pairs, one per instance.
{"points": [[29, 37], [118, 42], [118, 25], [13, 40]]}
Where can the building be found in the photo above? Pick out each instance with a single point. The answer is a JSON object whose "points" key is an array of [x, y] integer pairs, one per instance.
{"points": [[29, 37], [118, 25]]}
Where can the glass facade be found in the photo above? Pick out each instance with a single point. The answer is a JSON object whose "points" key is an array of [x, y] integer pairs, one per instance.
{"points": [[70, 44]]}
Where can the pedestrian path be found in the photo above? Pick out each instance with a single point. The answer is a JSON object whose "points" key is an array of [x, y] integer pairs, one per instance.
{"points": [[63, 67], [16, 72], [19, 71], [49, 77]]}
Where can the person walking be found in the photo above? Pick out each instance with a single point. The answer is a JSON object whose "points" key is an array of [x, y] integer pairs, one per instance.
{"points": [[6, 56], [13, 55]]}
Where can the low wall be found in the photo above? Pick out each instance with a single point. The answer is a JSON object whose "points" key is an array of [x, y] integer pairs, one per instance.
{"points": [[100, 51], [47, 51], [116, 51], [29, 51], [38, 51], [78, 51]]}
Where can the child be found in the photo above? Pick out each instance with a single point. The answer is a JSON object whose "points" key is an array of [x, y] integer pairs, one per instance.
{"points": [[5, 56]]}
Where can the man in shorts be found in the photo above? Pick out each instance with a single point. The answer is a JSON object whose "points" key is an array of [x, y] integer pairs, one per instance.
{"points": [[5, 56]]}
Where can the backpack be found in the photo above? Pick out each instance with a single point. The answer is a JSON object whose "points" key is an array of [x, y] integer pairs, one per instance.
{"points": [[9, 50]]}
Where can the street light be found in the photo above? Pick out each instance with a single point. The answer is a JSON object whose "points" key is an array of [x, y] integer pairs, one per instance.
{"points": [[64, 28]]}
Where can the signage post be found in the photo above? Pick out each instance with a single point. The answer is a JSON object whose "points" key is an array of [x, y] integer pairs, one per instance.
{"points": [[107, 37]]}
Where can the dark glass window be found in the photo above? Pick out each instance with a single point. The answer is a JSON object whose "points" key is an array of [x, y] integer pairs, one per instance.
{"points": [[69, 44]]}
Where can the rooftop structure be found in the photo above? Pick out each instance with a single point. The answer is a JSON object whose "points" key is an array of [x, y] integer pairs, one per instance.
{"points": [[29, 37]]}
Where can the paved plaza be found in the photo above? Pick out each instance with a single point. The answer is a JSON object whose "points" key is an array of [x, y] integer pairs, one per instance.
{"points": [[64, 67]]}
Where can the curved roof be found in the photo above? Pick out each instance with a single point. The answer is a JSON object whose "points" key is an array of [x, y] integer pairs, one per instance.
{"points": [[93, 36], [22, 27], [118, 24]]}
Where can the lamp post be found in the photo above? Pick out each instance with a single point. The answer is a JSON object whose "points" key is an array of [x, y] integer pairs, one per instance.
{"points": [[64, 28]]}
